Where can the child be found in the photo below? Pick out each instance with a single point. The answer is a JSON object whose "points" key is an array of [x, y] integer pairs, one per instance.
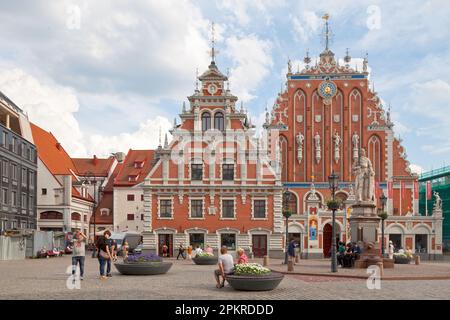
{"points": [[125, 249], [189, 251]]}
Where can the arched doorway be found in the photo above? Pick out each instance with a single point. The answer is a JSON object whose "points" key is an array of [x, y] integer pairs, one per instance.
{"points": [[327, 239]]}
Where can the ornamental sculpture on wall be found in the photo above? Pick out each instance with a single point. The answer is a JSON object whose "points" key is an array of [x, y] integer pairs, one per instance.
{"points": [[300, 139], [337, 142], [317, 147]]}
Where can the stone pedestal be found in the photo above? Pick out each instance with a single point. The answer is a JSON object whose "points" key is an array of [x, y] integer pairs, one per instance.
{"points": [[364, 223]]}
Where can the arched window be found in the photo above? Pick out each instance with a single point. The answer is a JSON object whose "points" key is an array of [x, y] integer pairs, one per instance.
{"points": [[219, 121], [51, 215], [206, 121], [76, 216], [291, 202], [284, 158]]}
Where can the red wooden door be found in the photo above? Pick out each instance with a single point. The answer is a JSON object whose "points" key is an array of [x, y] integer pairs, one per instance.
{"points": [[327, 240], [259, 247]]}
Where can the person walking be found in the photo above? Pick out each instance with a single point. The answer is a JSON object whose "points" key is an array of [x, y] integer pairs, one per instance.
{"points": [[291, 250], [226, 266], [165, 249], [103, 253], [78, 252], [112, 245], [181, 251], [391, 250]]}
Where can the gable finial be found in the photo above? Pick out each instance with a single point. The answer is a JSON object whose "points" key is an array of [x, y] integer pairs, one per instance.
{"points": [[327, 33], [166, 143], [159, 142], [213, 51], [196, 80]]}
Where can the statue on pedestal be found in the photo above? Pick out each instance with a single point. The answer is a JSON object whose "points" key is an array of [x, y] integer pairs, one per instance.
{"points": [[438, 201], [365, 179]]}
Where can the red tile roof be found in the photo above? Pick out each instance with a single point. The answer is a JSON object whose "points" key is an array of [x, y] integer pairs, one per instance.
{"points": [[128, 169], [51, 152], [54, 157], [98, 167]]}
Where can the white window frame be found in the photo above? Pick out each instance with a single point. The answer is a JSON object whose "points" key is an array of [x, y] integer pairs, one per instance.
{"points": [[253, 208], [234, 208], [159, 208], [190, 208]]}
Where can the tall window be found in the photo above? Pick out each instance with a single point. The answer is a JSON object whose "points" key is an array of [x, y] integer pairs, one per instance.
{"points": [[14, 172], [290, 202], [165, 208], [5, 168], [196, 208], [14, 198], [219, 121], [5, 196], [24, 176], [259, 207], [228, 172], [228, 240], [196, 171], [206, 121], [228, 209]]}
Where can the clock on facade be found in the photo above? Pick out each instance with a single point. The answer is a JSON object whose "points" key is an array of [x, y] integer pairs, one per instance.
{"points": [[327, 89], [212, 89]]}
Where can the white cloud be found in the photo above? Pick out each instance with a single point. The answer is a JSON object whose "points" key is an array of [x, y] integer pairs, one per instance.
{"points": [[306, 25], [252, 60], [48, 105], [146, 137], [53, 108], [246, 10], [415, 168]]}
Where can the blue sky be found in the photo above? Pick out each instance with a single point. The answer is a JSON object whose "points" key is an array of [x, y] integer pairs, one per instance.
{"points": [[104, 76]]}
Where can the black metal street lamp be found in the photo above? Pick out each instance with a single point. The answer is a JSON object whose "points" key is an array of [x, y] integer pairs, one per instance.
{"points": [[383, 215], [286, 213], [333, 181], [90, 177]]}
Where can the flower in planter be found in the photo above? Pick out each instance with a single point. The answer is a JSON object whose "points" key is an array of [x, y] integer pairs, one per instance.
{"points": [[250, 269], [204, 255], [140, 257]]}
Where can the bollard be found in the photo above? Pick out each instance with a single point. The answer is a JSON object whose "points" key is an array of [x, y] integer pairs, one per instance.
{"points": [[381, 267], [417, 259], [290, 265], [266, 261]]}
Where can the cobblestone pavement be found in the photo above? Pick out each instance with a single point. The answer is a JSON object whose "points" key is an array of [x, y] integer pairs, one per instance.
{"points": [[46, 279], [426, 268]]}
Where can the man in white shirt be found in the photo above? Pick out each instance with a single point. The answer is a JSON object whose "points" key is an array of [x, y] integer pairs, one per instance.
{"points": [[226, 266]]}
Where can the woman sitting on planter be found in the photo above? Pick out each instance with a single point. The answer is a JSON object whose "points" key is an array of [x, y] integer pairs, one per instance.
{"points": [[242, 257], [226, 267]]}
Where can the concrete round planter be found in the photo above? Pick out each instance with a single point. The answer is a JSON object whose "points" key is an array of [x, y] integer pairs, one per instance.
{"points": [[143, 268], [205, 260], [401, 260], [255, 283]]}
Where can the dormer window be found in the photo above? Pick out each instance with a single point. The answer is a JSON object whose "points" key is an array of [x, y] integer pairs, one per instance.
{"points": [[138, 164], [219, 121], [206, 121], [104, 212], [132, 178]]}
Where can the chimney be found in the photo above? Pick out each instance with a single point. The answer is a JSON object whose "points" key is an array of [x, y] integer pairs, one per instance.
{"points": [[95, 160], [58, 146]]}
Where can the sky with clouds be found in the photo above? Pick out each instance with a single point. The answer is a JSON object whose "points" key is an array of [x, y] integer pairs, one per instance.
{"points": [[104, 75]]}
